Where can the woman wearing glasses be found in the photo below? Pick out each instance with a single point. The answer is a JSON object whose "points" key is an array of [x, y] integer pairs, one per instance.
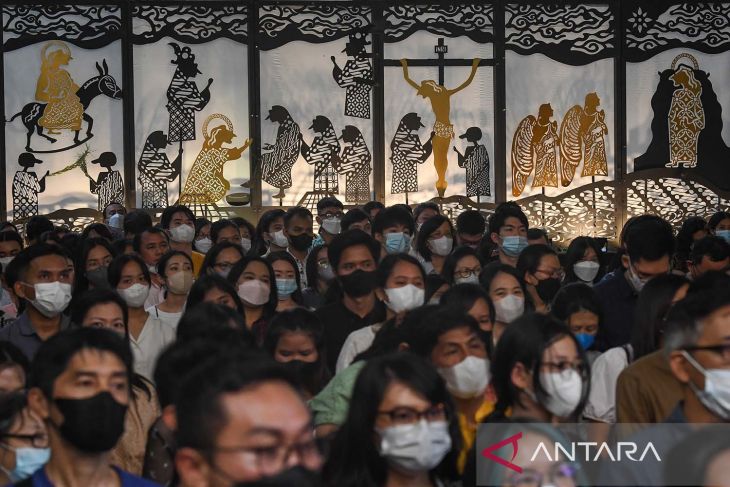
{"points": [[221, 258], [540, 267], [463, 266], [401, 403]]}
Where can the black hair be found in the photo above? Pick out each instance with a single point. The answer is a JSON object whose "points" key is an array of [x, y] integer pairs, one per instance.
{"points": [[11, 411], [471, 222], [120, 245], [100, 229], [392, 216], [208, 266], [464, 296], [574, 298], [574, 254], [55, 354], [300, 320], [259, 246], [715, 248], [117, 266], [91, 298], [386, 266], [11, 237], [287, 257], [238, 269], [103, 212], [36, 226], [137, 241], [435, 324], [358, 462], [348, 239], [19, 266], [200, 223], [355, 215], [490, 272], [5, 225], [137, 221], [502, 212], [168, 212], [311, 267], [12, 356], [222, 224], [425, 206], [296, 212], [162, 263], [434, 282], [372, 205], [207, 282], [649, 239], [525, 341], [689, 227], [716, 218], [529, 259], [243, 223], [211, 320], [537, 233], [452, 260], [329, 202], [82, 282], [428, 228]]}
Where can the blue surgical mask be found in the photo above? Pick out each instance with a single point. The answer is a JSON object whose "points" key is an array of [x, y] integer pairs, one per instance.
{"points": [[286, 287], [513, 245], [724, 234], [28, 461], [397, 242], [585, 339]]}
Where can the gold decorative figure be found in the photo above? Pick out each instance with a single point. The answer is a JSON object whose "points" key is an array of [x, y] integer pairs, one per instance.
{"points": [[535, 145], [205, 184], [440, 98], [56, 88], [686, 114], [583, 127]]}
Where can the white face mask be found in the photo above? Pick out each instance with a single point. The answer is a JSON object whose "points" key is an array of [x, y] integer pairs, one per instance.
{"points": [[333, 226], [152, 268], [279, 239], [636, 282], [564, 390], [586, 270], [246, 244], [117, 221], [4, 261], [716, 395], [51, 298], [441, 246], [417, 447], [404, 298], [182, 234], [509, 308], [203, 245], [326, 273], [467, 379], [135, 295], [254, 292], [470, 279]]}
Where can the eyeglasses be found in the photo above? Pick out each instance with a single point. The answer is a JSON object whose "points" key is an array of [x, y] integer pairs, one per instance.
{"points": [[564, 366], [323, 264], [721, 350], [560, 475], [464, 273], [223, 265], [37, 440], [554, 273], [270, 459], [329, 216], [405, 415]]}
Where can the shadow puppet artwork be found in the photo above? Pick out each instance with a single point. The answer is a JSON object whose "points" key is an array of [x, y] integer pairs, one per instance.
{"points": [[183, 97], [26, 187], [354, 163], [109, 186], [407, 152], [205, 184], [61, 103], [277, 164], [583, 127], [356, 77], [320, 154], [535, 146], [475, 160], [687, 125], [440, 98], [156, 170]]}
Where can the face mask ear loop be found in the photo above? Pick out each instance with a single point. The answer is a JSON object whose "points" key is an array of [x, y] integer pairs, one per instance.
{"points": [[697, 367]]}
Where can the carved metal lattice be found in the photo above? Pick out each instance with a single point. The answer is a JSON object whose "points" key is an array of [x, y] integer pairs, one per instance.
{"points": [[473, 21], [191, 24], [571, 34], [87, 26]]}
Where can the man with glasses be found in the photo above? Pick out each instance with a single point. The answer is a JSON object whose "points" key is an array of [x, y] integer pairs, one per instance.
{"points": [[330, 211], [241, 419]]}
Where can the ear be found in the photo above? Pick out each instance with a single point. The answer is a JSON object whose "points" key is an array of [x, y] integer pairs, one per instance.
{"points": [[106, 68], [495, 237], [319, 220], [194, 471], [98, 68], [19, 290], [625, 261], [38, 403], [679, 365], [169, 417], [403, 347], [520, 377], [379, 237], [530, 279], [380, 294]]}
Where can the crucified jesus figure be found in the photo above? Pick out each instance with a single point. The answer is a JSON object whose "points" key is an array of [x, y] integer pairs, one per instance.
{"points": [[443, 130]]}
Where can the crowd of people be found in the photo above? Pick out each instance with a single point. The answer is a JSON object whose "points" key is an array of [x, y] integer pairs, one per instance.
{"points": [[196, 353]]}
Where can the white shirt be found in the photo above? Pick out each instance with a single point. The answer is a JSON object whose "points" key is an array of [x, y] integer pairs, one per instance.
{"points": [[171, 319], [601, 405], [154, 337], [155, 297], [357, 342]]}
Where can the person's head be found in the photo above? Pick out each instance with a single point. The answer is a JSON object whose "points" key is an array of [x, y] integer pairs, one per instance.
{"points": [[241, 419], [135, 222], [214, 289], [650, 314], [255, 282], [356, 219], [270, 229], [719, 225], [225, 230], [208, 320], [508, 227], [318, 269], [537, 236], [473, 300], [92, 263], [330, 212], [435, 237], [401, 283], [462, 266], [298, 228], [176, 270], [540, 367], [129, 275], [151, 243], [10, 245], [470, 228], [396, 397], [393, 228], [697, 343], [702, 457], [8, 227], [693, 229], [101, 308], [221, 258], [709, 253], [286, 274], [582, 260], [248, 232], [436, 286], [649, 246], [35, 227], [114, 208], [353, 256], [14, 368], [97, 230], [539, 266], [424, 212], [506, 289], [372, 208], [178, 221], [80, 387], [578, 306], [44, 275], [202, 242]]}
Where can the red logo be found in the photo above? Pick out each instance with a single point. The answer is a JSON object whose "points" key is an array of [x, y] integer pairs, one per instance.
{"points": [[487, 452]]}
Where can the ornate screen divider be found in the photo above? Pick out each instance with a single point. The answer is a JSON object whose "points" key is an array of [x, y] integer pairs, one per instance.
{"points": [[584, 113]]}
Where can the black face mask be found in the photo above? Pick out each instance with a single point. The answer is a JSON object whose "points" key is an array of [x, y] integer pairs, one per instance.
{"points": [[301, 242], [358, 284], [98, 277], [547, 289], [296, 476], [94, 424]]}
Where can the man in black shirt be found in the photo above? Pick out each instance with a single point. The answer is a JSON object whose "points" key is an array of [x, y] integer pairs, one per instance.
{"points": [[353, 256]]}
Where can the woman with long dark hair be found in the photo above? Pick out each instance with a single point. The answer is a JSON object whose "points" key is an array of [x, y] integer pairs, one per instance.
{"points": [[288, 280], [255, 282], [434, 243]]}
